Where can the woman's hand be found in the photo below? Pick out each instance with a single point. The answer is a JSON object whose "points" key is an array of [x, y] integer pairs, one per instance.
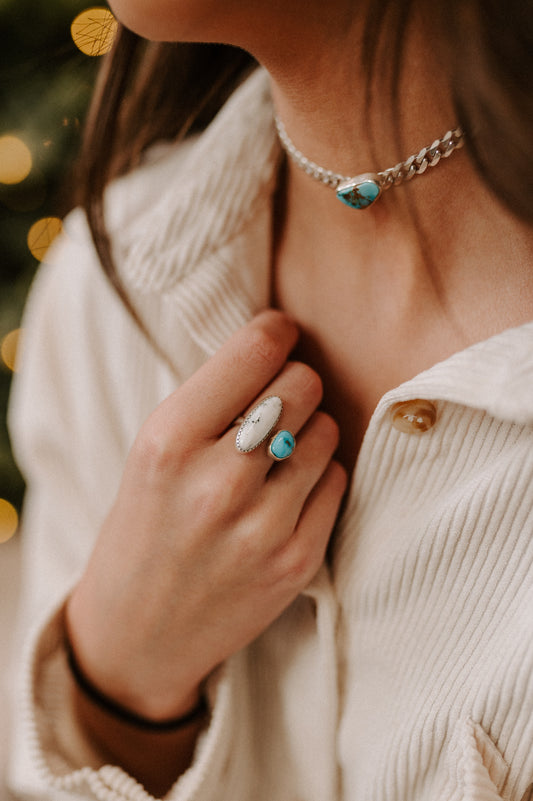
{"points": [[205, 546]]}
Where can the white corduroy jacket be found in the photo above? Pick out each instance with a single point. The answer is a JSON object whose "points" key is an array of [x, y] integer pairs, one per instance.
{"points": [[405, 671]]}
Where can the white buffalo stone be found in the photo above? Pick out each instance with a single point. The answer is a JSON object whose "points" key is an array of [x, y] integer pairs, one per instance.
{"points": [[258, 424]]}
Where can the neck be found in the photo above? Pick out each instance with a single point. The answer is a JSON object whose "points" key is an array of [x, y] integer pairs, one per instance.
{"points": [[325, 109], [423, 234], [326, 115]]}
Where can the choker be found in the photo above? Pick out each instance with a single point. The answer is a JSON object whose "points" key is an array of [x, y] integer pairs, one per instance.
{"points": [[362, 190]]}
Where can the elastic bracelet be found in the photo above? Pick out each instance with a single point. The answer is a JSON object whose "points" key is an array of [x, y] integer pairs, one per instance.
{"points": [[127, 715]]}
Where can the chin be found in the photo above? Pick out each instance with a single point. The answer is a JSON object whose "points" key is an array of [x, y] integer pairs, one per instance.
{"points": [[168, 20], [139, 17]]}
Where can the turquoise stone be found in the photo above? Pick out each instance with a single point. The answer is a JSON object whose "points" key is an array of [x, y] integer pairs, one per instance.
{"points": [[282, 445], [359, 193]]}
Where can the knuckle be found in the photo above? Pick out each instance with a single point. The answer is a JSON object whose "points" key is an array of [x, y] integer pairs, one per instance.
{"points": [[276, 321], [251, 550], [262, 349], [217, 496], [299, 564], [154, 451], [309, 382], [328, 428], [159, 449]]}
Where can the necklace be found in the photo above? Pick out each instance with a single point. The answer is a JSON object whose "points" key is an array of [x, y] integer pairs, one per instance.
{"points": [[362, 190]]}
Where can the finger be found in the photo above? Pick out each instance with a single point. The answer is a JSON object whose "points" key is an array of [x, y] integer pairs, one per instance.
{"points": [[217, 393], [300, 389], [303, 554], [292, 483]]}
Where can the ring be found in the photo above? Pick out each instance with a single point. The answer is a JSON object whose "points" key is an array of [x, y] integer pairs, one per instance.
{"points": [[282, 445], [258, 424]]}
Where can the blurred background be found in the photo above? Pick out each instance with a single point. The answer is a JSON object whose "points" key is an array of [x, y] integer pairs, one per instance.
{"points": [[49, 57], [48, 62]]}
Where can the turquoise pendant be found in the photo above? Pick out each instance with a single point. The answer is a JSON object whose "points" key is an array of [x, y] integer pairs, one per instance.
{"points": [[282, 445], [360, 192]]}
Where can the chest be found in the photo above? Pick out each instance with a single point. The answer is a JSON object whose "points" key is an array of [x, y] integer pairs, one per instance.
{"points": [[362, 345]]}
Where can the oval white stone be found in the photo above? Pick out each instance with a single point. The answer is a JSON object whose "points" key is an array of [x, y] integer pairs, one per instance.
{"points": [[258, 424]]}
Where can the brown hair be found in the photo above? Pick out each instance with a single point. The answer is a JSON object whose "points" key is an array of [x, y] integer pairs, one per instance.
{"points": [[489, 46], [150, 91]]}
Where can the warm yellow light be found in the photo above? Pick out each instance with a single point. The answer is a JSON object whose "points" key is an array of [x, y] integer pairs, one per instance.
{"points": [[94, 30], [9, 348], [42, 234], [9, 520], [15, 160]]}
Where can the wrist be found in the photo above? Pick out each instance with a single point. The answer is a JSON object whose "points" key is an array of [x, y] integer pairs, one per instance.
{"points": [[113, 667], [195, 708]]}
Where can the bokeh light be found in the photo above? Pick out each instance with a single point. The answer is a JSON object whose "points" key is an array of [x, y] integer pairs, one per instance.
{"points": [[94, 30], [9, 347], [9, 520], [42, 234], [15, 160]]}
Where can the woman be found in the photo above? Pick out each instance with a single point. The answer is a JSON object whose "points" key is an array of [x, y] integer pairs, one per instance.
{"points": [[208, 623]]}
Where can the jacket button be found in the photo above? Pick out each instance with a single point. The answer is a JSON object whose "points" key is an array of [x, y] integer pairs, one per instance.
{"points": [[413, 416]]}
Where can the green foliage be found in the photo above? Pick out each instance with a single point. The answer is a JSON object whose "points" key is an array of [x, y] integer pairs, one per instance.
{"points": [[45, 86]]}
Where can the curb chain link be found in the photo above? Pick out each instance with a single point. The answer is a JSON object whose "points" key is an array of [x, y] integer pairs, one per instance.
{"points": [[416, 164]]}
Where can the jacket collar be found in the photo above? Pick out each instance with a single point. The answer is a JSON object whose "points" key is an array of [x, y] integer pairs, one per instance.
{"points": [[204, 244], [495, 375], [212, 188]]}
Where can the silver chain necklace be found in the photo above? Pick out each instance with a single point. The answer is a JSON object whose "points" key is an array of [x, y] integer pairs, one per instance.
{"points": [[361, 191]]}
